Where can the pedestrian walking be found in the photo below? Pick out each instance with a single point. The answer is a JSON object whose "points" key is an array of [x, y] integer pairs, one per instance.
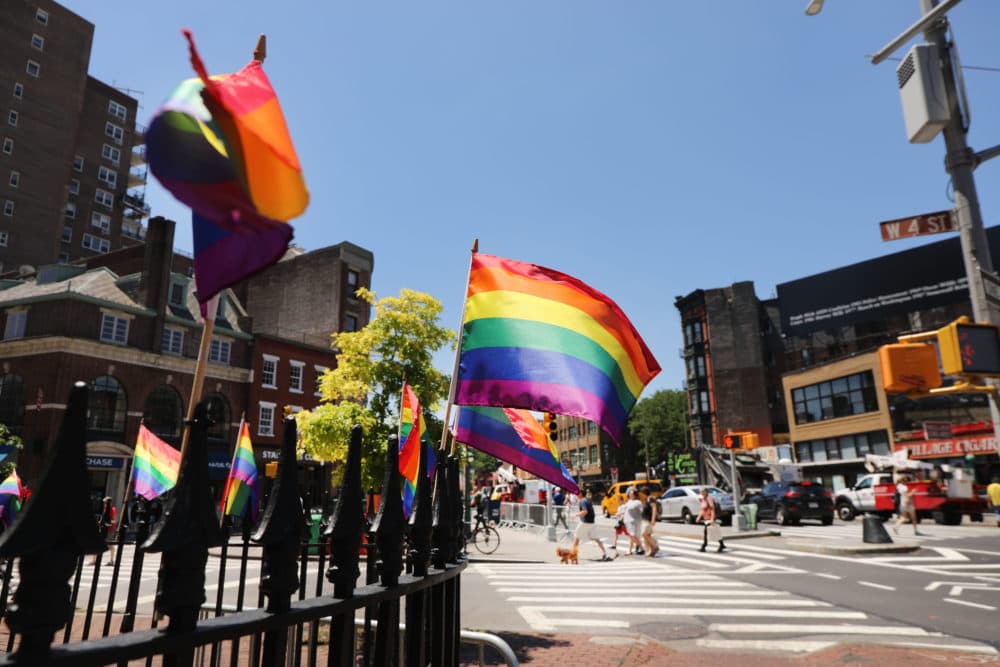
{"points": [[106, 525], [707, 517], [650, 515], [993, 494], [632, 516], [559, 501], [906, 507], [585, 530]]}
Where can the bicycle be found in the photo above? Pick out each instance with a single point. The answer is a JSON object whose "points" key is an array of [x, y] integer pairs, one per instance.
{"points": [[483, 536]]}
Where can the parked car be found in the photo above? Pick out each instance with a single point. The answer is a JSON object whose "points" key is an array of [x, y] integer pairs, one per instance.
{"points": [[790, 502], [616, 494], [681, 503]]}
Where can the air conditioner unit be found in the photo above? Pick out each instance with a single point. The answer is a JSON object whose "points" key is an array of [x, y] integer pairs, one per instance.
{"points": [[921, 89]]}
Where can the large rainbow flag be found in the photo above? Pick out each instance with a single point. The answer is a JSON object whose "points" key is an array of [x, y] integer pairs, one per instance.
{"points": [[411, 431], [221, 146], [155, 465], [11, 492], [539, 339], [242, 486], [516, 437]]}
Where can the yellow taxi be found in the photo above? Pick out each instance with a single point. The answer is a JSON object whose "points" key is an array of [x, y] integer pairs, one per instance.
{"points": [[616, 494]]}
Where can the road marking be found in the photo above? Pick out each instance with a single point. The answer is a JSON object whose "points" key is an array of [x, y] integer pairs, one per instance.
{"points": [[852, 629], [882, 586], [827, 576], [970, 604], [639, 599], [971, 648], [794, 645], [698, 611], [671, 591], [946, 555]]}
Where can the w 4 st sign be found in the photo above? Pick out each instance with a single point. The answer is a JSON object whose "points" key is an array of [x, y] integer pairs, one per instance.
{"points": [[919, 225]]}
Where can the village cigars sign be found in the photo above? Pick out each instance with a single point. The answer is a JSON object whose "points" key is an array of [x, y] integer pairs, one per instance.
{"points": [[934, 449]]}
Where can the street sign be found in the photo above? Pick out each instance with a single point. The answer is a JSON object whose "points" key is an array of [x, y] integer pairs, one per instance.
{"points": [[991, 285], [919, 225], [937, 430]]}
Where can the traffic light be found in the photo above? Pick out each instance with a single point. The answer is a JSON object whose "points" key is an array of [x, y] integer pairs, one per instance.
{"points": [[968, 348], [733, 441], [909, 367], [550, 426], [751, 441]]}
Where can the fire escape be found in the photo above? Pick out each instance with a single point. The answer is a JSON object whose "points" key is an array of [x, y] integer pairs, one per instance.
{"points": [[133, 201]]}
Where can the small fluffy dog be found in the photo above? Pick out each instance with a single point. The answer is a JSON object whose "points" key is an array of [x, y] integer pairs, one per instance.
{"points": [[568, 556]]}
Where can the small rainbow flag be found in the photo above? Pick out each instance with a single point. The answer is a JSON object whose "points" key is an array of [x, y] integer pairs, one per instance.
{"points": [[221, 146], [10, 498], [539, 339], [242, 486], [516, 437], [411, 430], [155, 465]]}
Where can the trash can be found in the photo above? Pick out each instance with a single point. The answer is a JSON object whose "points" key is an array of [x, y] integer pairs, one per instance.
{"points": [[315, 519], [749, 512]]}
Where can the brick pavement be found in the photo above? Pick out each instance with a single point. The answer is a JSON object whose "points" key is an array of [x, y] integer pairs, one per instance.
{"points": [[571, 650]]}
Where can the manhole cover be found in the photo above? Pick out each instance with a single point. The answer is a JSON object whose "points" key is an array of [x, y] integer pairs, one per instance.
{"points": [[671, 631]]}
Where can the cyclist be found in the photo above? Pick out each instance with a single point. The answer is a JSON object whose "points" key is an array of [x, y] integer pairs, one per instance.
{"points": [[482, 502]]}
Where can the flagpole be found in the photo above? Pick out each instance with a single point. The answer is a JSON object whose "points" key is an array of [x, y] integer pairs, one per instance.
{"points": [[128, 486], [458, 357], [199, 372], [232, 464]]}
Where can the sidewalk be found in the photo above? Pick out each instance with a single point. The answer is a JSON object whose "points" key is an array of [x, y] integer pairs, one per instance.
{"points": [[563, 650]]}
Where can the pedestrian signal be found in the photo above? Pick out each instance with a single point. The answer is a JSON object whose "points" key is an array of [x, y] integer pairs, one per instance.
{"points": [[909, 367], [732, 441], [271, 469], [550, 426], [969, 348], [751, 441]]}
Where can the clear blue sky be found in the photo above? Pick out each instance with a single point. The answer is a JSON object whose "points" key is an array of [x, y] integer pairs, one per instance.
{"points": [[650, 147]]}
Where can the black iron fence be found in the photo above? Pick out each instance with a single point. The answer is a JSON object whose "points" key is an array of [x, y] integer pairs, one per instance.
{"points": [[63, 609]]}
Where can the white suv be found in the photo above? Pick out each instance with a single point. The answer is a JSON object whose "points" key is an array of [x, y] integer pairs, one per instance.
{"points": [[860, 498]]}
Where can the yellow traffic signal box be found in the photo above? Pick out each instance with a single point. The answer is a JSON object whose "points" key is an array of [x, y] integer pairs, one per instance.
{"points": [[733, 440], [909, 367], [969, 348]]}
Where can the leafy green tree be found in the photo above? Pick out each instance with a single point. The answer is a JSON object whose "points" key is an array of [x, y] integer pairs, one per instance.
{"points": [[660, 421], [366, 385]]}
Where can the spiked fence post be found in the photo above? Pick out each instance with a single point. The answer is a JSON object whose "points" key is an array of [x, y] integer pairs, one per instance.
{"points": [[388, 529]]}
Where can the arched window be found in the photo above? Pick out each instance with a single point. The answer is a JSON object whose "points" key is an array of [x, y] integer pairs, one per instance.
{"points": [[12, 402], [164, 412], [219, 413], [107, 405]]}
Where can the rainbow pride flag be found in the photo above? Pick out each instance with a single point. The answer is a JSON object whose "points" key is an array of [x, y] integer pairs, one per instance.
{"points": [[11, 492], [221, 146], [411, 430], [155, 465], [242, 486], [539, 339], [516, 437]]}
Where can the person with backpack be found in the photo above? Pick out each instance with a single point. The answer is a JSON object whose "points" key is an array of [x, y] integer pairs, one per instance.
{"points": [[650, 515]]}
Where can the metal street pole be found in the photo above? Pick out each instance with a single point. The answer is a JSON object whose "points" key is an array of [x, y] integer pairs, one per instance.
{"points": [[960, 161]]}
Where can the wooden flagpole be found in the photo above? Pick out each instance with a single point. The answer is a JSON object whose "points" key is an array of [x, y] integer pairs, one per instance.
{"points": [[232, 462], [458, 356], [128, 486]]}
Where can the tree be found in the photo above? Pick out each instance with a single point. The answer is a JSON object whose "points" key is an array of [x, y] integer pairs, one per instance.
{"points": [[660, 422], [366, 384], [8, 437]]}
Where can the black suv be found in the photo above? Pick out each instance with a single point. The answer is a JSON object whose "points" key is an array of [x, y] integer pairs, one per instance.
{"points": [[790, 502]]}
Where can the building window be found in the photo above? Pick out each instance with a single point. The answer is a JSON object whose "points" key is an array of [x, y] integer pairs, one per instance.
{"points": [[842, 397], [63, 258], [77, 163], [74, 186], [8, 208], [70, 211], [352, 283], [114, 329], [295, 376], [111, 154], [108, 176], [104, 198], [117, 110], [571, 433], [101, 220], [178, 294], [8, 145], [38, 42], [164, 412], [107, 403], [350, 323], [15, 179], [15, 324], [593, 455], [265, 424], [95, 243], [172, 342], [67, 234], [33, 69], [269, 372], [42, 17], [12, 402], [843, 448], [318, 386], [219, 350], [12, 118], [18, 91], [4, 237], [115, 132]]}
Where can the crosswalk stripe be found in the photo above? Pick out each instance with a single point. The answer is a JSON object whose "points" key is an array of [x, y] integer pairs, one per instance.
{"points": [[680, 542], [702, 592], [789, 645], [802, 629], [764, 601], [698, 611]]}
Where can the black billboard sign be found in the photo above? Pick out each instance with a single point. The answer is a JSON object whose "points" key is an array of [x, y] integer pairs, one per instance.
{"points": [[916, 279]]}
